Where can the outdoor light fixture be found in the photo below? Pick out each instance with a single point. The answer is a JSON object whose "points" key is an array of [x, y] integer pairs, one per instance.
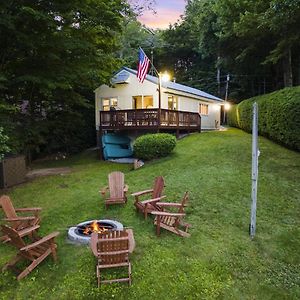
{"points": [[227, 106], [162, 77], [165, 77]]}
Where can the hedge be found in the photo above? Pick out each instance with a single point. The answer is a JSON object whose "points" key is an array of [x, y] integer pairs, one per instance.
{"points": [[152, 146], [278, 116]]}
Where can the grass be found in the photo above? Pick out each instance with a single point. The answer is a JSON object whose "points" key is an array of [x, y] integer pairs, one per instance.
{"points": [[218, 261]]}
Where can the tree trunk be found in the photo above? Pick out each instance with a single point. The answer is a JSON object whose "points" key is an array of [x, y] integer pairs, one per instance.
{"points": [[287, 69]]}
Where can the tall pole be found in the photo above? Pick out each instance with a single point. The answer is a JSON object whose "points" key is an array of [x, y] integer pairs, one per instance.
{"points": [[219, 75], [159, 97], [255, 154], [226, 97], [152, 64]]}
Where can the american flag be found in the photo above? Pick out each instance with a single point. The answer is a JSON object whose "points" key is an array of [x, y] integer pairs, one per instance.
{"points": [[143, 65]]}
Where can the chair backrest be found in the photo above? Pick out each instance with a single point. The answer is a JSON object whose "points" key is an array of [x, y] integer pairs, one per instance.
{"points": [[113, 247], [158, 187], [116, 184], [7, 207], [15, 239]]}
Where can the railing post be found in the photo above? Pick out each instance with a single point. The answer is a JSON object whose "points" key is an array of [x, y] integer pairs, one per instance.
{"points": [[159, 117], [199, 123]]}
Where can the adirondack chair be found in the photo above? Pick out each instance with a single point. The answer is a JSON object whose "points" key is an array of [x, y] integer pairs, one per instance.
{"points": [[147, 206], [172, 221], [17, 222], [35, 252], [117, 189], [112, 251]]}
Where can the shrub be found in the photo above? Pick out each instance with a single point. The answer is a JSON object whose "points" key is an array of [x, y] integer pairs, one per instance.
{"points": [[3, 144], [278, 116], [156, 145]]}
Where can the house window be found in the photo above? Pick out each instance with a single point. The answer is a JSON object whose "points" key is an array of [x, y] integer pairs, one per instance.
{"points": [[107, 103], [203, 109], [140, 102], [172, 103]]}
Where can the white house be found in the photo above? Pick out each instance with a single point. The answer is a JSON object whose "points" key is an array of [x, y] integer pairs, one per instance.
{"points": [[129, 105]]}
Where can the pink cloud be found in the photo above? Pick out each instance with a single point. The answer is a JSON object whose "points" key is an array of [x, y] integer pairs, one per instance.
{"points": [[168, 12]]}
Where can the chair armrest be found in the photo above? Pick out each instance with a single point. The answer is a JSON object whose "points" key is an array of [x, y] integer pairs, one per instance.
{"points": [[170, 204], [28, 209], [93, 243], [28, 230], [167, 214], [153, 200], [126, 187], [131, 239], [41, 241], [104, 190], [19, 219], [137, 194]]}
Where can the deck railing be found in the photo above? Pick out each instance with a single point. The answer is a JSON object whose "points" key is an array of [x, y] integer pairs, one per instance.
{"points": [[149, 118]]}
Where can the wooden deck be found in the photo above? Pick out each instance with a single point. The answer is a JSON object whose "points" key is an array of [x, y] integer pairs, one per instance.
{"points": [[154, 119]]}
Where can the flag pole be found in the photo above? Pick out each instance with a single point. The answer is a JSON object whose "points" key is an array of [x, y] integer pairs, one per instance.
{"points": [[159, 87]]}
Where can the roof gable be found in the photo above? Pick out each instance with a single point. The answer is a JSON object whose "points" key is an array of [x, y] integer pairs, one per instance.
{"points": [[121, 77]]}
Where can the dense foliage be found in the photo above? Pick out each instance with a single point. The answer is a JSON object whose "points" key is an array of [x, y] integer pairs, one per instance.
{"points": [[150, 146], [256, 42], [278, 116], [53, 54], [3, 144]]}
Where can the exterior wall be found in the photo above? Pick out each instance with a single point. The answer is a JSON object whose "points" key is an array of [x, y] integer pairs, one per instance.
{"points": [[125, 92], [210, 121]]}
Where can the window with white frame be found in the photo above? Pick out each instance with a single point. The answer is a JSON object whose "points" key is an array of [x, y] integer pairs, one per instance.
{"points": [[108, 103], [203, 109], [140, 102]]}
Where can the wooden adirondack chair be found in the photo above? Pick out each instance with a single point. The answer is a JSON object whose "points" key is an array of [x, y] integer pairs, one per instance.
{"points": [[112, 251], [117, 189], [172, 221], [35, 252], [17, 222], [147, 206]]}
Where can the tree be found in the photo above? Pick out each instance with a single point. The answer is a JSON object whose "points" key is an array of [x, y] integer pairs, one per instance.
{"points": [[3, 144], [52, 55], [256, 42]]}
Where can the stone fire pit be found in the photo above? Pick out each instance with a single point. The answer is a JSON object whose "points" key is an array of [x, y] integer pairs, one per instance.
{"points": [[81, 233]]}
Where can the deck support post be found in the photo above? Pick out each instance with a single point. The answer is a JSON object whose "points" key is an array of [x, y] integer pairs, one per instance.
{"points": [[99, 144]]}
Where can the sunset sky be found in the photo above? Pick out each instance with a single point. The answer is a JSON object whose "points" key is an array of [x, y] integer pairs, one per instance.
{"points": [[168, 11]]}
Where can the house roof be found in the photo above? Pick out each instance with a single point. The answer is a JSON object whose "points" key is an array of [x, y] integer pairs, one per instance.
{"points": [[169, 85]]}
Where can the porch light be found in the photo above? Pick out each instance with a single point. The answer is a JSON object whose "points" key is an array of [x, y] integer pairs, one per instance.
{"points": [[165, 77], [227, 106], [162, 77]]}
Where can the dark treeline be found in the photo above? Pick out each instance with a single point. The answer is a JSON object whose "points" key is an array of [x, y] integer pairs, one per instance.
{"points": [[256, 42], [53, 55]]}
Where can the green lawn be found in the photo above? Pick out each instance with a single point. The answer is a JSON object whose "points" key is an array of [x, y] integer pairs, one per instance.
{"points": [[218, 261]]}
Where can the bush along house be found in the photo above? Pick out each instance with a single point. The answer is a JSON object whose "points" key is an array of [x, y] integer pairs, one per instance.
{"points": [[129, 108]]}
